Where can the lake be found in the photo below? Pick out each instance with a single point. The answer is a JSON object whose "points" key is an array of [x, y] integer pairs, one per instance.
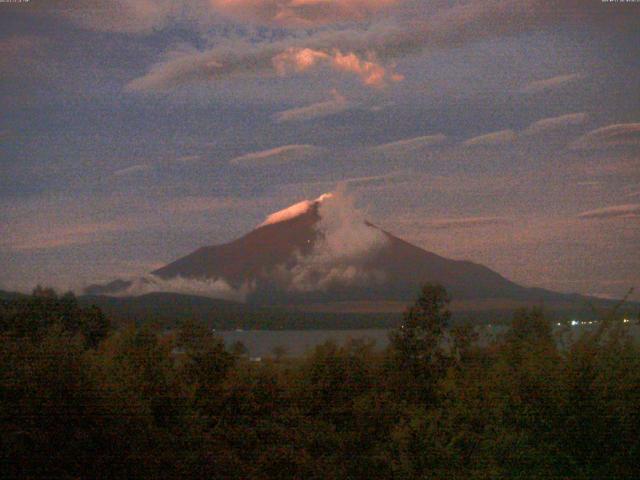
{"points": [[261, 343]]}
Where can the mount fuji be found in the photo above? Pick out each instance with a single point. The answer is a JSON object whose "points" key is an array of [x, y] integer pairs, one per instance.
{"points": [[323, 255]]}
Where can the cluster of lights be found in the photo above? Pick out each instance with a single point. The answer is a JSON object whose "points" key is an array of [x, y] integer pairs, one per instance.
{"points": [[575, 323], [578, 322]]}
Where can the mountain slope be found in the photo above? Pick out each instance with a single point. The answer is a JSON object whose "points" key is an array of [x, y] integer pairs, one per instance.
{"points": [[250, 256], [324, 252]]}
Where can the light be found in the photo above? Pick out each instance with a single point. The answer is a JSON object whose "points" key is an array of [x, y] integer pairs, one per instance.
{"points": [[574, 323], [626, 320]]}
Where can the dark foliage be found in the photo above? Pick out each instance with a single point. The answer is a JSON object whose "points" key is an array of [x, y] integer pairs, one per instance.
{"points": [[79, 399]]}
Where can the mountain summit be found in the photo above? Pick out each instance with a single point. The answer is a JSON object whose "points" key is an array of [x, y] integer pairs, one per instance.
{"points": [[323, 251]]}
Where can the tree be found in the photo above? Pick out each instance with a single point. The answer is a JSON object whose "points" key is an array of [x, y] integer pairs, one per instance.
{"points": [[416, 347], [205, 363], [33, 316]]}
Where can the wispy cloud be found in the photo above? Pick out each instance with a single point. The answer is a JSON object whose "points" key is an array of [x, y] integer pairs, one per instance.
{"points": [[631, 210], [624, 134], [277, 156], [392, 178], [54, 222], [368, 51], [554, 124], [44, 237], [502, 137], [472, 18], [411, 144], [465, 222], [132, 170], [334, 106], [552, 83], [545, 126]]}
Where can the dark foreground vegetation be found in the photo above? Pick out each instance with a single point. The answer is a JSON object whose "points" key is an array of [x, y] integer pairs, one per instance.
{"points": [[80, 399]]}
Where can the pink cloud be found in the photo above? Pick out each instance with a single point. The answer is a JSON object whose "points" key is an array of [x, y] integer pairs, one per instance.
{"points": [[277, 156], [301, 13], [503, 137], [364, 51], [302, 59], [553, 124]]}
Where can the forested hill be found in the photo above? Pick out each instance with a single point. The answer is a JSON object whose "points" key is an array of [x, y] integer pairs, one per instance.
{"points": [[168, 309]]}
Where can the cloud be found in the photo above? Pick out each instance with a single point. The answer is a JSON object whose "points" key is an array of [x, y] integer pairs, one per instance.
{"points": [[132, 170], [301, 13], [544, 126], [366, 49], [298, 60], [631, 210], [465, 222], [548, 84], [48, 236], [502, 137], [553, 124], [624, 134], [462, 22], [277, 156], [378, 180], [334, 106], [206, 287], [147, 16], [340, 252], [183, 67], [411, 144]]}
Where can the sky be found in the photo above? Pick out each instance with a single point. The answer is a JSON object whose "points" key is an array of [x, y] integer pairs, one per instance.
{"points": [[503, 132]]}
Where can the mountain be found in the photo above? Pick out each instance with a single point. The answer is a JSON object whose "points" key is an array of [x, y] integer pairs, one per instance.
{"points": [[321, 255]]}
